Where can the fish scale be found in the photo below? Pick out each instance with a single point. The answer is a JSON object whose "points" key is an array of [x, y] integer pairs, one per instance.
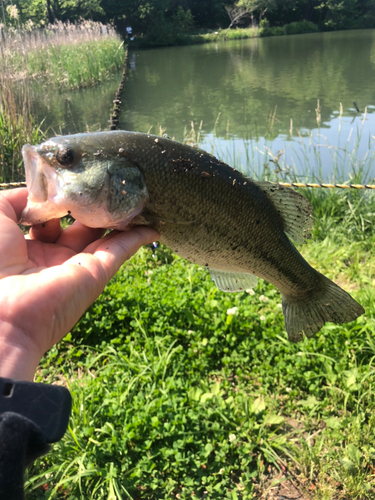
{"points": [[204, 210]]}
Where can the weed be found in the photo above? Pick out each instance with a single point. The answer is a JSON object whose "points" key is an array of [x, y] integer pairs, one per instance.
{"points": [[51, 53], [16, 128], [180, 390]]}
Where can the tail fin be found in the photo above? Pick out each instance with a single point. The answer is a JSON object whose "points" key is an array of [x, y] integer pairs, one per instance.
{"points": [[328, 302]]}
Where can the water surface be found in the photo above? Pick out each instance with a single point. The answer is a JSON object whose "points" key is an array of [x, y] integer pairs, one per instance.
{"points": [[245, 95], [74, 111], [247, 101]]}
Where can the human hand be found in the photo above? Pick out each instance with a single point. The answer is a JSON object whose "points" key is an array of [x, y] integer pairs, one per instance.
{"points": [[49, 279]]}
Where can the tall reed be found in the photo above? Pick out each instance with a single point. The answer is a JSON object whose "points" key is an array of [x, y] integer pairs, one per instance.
{"points": [[72, 55], [16, 128]]}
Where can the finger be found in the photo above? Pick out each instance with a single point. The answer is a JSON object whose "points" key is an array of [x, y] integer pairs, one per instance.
{"points": [[48, 232], [80, 280], [12, 202], [112, 251], [56, 297], [144, 233], [77, 236], [13, 252]]}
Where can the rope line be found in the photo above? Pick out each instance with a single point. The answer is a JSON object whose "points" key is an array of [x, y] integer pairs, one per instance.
{"points": [[12, 185], [285, 184], [328, 186]]}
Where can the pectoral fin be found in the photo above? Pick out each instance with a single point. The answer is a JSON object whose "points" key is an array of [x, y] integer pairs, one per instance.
{"points": [[233, 282]]}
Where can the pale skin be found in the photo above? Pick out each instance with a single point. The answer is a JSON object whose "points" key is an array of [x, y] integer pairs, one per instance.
{"points": [[49, 278]]}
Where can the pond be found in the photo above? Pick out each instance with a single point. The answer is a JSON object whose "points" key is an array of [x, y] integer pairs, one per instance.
{"points": [[73, 111], [288, 98]]}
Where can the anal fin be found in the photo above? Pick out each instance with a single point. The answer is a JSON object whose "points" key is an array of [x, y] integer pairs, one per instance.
{"points": [[233, 282]]}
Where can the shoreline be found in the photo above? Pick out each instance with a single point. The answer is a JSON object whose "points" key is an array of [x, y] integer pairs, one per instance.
{"points": [[296, 28]]}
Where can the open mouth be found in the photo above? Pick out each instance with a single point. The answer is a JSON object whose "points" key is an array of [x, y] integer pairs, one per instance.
{"points": [[39, 180], [35, 179]]}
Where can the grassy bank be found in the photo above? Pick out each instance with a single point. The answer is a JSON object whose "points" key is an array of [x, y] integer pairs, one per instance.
{"points": [[263, 30], [183, 391], [69, 55], [233, 34], [185, 39]]}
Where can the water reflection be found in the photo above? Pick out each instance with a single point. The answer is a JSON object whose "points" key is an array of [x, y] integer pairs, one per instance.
{"points": [[245, 94], [69, 112], [249, 100]]}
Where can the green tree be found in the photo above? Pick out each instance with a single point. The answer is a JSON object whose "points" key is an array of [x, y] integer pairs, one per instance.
{"points": [[338, 14], [72, 10], [258, 8], [31, 12], [208, 13], [237, 14], [164, 20]]}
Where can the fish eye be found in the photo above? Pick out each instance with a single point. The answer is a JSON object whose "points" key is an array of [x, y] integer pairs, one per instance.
{"points": [[65, 157]]}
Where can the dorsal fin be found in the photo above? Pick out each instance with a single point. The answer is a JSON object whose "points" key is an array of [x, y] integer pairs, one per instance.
{"points": [[295, 210]]}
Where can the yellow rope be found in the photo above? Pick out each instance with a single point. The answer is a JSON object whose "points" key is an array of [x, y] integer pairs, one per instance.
{"points": [[329, 186], [12, 185], [285, 184]]}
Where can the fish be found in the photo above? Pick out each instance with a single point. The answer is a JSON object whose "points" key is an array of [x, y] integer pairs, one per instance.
{"points": [[207, 212]]}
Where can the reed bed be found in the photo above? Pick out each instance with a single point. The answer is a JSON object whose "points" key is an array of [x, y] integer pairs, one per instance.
{"points": [[16, 128], [69, 55]]}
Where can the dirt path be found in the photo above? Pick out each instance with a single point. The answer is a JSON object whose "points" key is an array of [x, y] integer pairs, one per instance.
{"points": [[281, 487]]}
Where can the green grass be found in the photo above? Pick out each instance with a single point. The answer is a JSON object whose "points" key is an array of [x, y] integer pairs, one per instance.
{"points": [[67, 55], [17, 128], [73, 65], [232, 34], [183, 391]]}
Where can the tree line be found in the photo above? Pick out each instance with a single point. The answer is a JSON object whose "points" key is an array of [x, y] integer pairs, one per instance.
{"points": [[161, 18]]}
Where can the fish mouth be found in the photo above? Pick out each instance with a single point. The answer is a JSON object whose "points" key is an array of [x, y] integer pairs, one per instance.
{"points": [[39, 174], [35, 179]]}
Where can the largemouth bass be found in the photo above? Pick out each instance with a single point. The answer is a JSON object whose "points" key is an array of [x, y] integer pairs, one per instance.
{"points": [[204, 210]]}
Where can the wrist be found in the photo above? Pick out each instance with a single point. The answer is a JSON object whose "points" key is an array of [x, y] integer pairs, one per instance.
{"points": [[17, 362]]}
